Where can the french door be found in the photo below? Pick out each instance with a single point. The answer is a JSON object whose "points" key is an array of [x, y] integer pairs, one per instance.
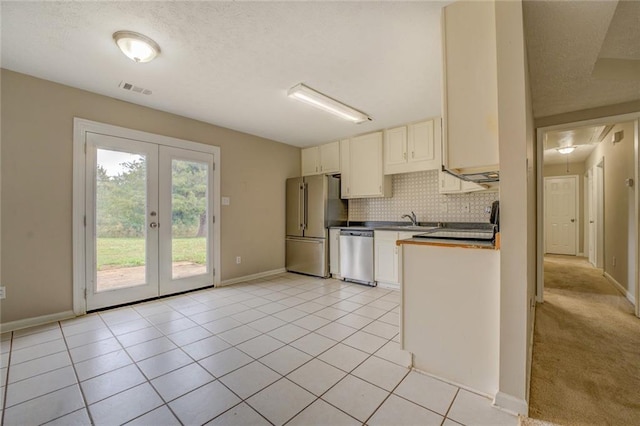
{"points": [[148, 210]]}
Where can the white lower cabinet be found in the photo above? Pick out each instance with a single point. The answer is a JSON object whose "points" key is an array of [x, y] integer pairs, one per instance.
{"points": [[334, 252], [386, 258], [387, 273]]}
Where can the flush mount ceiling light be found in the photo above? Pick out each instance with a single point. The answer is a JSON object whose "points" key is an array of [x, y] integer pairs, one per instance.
{"points": [[566, 149], [319, 100], [136, 46]]}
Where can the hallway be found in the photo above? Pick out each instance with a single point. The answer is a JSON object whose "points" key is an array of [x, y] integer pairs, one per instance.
{"points": [[586, 353]]}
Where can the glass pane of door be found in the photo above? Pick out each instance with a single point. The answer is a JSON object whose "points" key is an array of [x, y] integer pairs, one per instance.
{"points": [[121, 214], [189, 219], [186, 234], [121, 199]]}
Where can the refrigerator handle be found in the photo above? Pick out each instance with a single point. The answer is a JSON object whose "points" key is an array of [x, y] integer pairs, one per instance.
{"points": [[306, 203], [301, 203]]}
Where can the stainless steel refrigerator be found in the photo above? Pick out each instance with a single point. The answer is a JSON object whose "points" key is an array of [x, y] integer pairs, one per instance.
{"points": [[313, 205]]}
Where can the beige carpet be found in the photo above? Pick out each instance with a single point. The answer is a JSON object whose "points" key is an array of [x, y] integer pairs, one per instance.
{"points": [[586, 352]]}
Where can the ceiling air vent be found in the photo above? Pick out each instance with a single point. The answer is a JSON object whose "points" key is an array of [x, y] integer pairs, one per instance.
{"points": [[133, 88]]}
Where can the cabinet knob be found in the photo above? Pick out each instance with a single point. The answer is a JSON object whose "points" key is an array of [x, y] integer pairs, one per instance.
{"points": [[320, 168], [413, 154], [404, 155]]}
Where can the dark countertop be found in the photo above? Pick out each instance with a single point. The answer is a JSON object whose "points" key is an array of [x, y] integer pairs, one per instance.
{"points": [[406, 226]]}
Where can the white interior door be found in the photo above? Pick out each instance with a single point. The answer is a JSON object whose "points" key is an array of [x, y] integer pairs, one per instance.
{"points": [[598, 173], [591, 216], [121, 237], [561, 214], [186, 231], [148, 220]]}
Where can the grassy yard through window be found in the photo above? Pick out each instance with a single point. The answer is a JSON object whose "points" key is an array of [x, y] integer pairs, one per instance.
{"points": [[128, 252]]}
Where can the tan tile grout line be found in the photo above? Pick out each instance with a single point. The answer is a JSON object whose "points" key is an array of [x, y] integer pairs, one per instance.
{"points": [[6, 381], [322, 294]]}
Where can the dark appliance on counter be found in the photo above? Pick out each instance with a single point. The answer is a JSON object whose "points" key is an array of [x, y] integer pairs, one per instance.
{"points": [[313, 204], [494, 218]]}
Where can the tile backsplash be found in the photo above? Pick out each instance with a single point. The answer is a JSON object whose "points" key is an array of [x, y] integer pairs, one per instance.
{"points": [[418, 192]]}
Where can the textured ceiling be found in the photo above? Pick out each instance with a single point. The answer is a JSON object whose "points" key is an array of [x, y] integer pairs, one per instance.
{"points": [[231, 63], [584, 139], [567, 39]]}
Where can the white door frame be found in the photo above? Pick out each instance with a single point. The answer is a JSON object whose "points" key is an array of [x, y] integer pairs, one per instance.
{"points": [[576, 207], [80, 128], [540, 132]]}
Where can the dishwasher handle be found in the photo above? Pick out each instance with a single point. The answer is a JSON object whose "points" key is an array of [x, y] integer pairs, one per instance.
{"points": [[356, 233]]}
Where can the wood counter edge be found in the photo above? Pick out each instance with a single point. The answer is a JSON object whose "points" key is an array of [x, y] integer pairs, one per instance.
{"points": [[451, 244]]}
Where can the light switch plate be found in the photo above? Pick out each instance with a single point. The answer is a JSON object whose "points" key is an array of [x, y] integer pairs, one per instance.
{"points": [[226, 201], [3, 292]]}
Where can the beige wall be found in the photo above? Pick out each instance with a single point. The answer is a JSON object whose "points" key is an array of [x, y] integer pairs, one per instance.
{"points": [[517, 207], [619, 201], [552, 170], [37, 124]]}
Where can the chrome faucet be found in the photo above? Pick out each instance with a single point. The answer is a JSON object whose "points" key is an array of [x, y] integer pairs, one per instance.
{"points": [[412, 218]]}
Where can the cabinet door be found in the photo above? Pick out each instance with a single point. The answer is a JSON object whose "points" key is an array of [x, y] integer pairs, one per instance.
{"points": [[386, 257], [422, 146], [365, 162], [330, 158], [448, 184], [345, 169], [309, 160], [471, 186], [334, 251], [470, 92], [452, 185], [395, 148]]}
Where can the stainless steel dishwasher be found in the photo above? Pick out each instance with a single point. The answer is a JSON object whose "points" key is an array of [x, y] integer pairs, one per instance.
{"points": [[356, 256]]}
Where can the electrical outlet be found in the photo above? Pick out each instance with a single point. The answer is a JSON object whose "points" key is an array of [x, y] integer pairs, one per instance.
{"points": [[3, 292], [444, 208], [466, 207], [238, 260], [487, 210]]}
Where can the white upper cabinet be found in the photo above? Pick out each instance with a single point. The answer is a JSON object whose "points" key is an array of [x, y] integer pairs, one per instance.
{"points": [[362, 168], [470, 92], [323, 159], [330, 157], [309, 160], [412, 148], [452, 185]]}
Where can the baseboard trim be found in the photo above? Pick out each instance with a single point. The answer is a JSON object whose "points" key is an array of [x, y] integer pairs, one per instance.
{"points": [[251, 277], [511, 404], [620, 288], [32, 322], [530, 350], [452, 382]]}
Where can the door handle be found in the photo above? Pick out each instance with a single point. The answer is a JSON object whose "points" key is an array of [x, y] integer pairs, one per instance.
{"points": [[154, 225]]}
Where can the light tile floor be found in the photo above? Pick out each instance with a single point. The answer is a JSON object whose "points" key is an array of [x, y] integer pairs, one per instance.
{"points": [[288, 349]]}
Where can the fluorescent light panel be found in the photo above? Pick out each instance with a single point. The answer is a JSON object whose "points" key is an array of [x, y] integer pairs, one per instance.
{"points": [[321, 101]]}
